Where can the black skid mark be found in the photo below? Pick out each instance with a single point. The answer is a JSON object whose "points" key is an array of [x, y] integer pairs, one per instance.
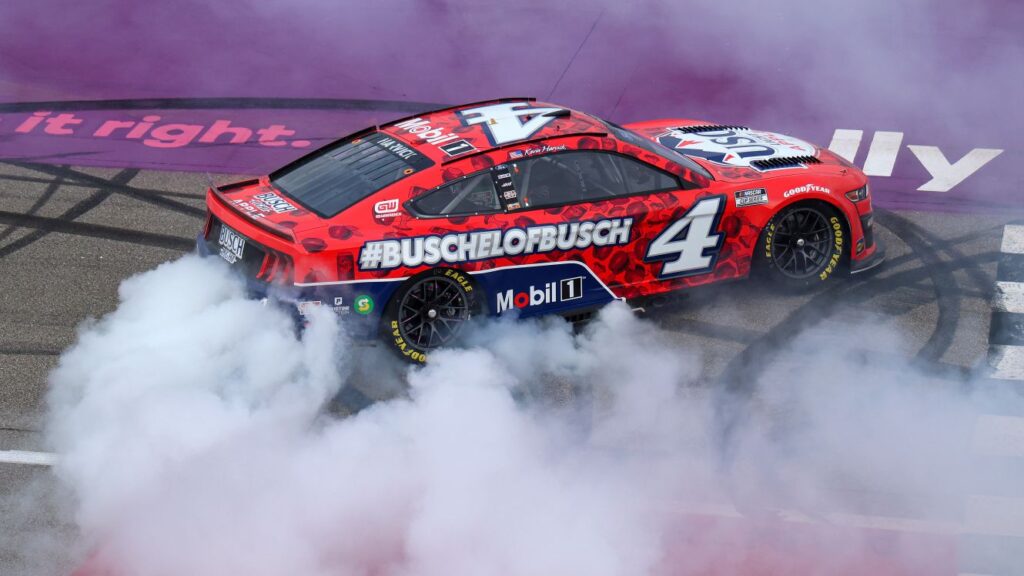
{"points": [[46, 225], [19, 349], [77, 184], [115, 185], [75, 211], [48, 193], [944, 284], [738, 382]]}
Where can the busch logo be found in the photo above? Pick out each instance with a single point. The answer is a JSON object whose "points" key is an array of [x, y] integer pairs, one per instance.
{"points": [[550, 293], [275, 202]]}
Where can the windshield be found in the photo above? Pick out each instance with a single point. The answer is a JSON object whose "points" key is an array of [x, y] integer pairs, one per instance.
{"points": [[333, 179], [653, 147]]}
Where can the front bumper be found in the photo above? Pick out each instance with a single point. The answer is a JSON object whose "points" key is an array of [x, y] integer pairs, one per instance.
{"points": [[872, 261]]}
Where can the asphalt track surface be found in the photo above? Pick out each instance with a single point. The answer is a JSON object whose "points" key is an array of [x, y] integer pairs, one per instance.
{"points": [[70, 235]]}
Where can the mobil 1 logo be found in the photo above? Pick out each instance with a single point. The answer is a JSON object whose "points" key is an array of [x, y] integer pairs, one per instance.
{"points": [[563, 290], [457, 147]]}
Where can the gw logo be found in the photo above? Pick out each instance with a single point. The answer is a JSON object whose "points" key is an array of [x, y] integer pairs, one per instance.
{"points": [[560, 291]]}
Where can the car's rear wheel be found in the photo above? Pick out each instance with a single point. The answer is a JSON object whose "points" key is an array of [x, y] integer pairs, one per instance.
{"points": [[802, 246], [428, 312]]}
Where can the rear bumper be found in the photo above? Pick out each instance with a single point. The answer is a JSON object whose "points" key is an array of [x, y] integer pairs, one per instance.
{"points": [[872, 261], [339, 297]]}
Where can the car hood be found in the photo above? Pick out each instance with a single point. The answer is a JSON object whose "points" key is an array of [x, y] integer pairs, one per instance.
{"points": [[723, 149]]}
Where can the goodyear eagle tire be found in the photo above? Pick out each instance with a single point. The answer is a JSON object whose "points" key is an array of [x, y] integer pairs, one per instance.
{"points": [[429, 311], [802, 246]]}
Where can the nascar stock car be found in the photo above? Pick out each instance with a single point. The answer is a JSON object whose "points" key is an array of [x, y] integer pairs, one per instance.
{"points": [[413, 227]]}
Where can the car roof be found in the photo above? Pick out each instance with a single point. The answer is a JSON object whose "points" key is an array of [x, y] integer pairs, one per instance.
{"points": [[466, 129]]}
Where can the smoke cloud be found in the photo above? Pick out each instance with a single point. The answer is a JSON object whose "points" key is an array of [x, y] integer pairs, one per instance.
{"points": [[193, 431]]}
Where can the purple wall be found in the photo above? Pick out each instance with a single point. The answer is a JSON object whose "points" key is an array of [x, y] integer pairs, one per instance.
{"points": [[944, 74]]}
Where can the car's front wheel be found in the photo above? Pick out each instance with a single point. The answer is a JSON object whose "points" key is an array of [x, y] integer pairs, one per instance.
{"points": [[802, 246], [429, 311]]}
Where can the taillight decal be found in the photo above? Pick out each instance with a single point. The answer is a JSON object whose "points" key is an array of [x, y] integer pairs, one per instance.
{"points": [[207, 225], [275, 268], [264, 265]]}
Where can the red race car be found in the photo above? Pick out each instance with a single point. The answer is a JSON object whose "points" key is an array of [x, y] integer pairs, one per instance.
{"points": [[508, 205]]}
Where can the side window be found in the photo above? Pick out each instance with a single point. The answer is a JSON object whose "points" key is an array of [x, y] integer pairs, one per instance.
{"points": [[640, 177], [471, 195], [580, 176]]}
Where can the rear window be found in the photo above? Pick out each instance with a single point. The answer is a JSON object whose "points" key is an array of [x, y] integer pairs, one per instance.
{"points": [[470, 195], [338, 176]]}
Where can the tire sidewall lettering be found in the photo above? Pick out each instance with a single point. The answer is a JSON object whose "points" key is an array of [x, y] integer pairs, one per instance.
{"points": [[406, 348], [837, 249]]}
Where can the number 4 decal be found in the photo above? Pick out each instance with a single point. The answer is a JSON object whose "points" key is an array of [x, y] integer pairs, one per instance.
{"points": [[689, 245]]}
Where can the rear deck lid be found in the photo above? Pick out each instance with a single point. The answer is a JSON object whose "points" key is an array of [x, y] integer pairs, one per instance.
{"points": [[267, 208]]}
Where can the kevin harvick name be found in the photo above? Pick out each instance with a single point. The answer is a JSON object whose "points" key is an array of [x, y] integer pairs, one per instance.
{"points": [[487, 244]]}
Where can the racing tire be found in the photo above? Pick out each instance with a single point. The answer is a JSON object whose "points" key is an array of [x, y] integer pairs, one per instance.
{"points": [[429, 311], [802, 246]]}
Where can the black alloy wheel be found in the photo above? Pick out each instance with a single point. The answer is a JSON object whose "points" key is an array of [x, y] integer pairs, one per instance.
{"points": [[802, 240], [429, 312], [803, 245], [432, 311]]}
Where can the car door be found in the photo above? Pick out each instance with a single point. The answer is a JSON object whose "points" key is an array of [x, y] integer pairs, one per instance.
{"points": [[673, 233]]}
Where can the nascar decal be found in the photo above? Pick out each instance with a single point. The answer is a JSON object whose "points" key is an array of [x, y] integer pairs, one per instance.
{"points": [[735, 147], [508, 122], [486, 244], [751, 197]]}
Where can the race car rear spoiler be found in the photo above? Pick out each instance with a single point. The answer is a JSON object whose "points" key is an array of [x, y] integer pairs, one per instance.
{"points": [[217, 193]]}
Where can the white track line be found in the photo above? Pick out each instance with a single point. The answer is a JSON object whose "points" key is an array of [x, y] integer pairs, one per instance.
{"points": [[846, 142], [984, 515], [882, 153], [1009, 297], [1007, 362], [999, 436], [1013, 239], [28, 458]]}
